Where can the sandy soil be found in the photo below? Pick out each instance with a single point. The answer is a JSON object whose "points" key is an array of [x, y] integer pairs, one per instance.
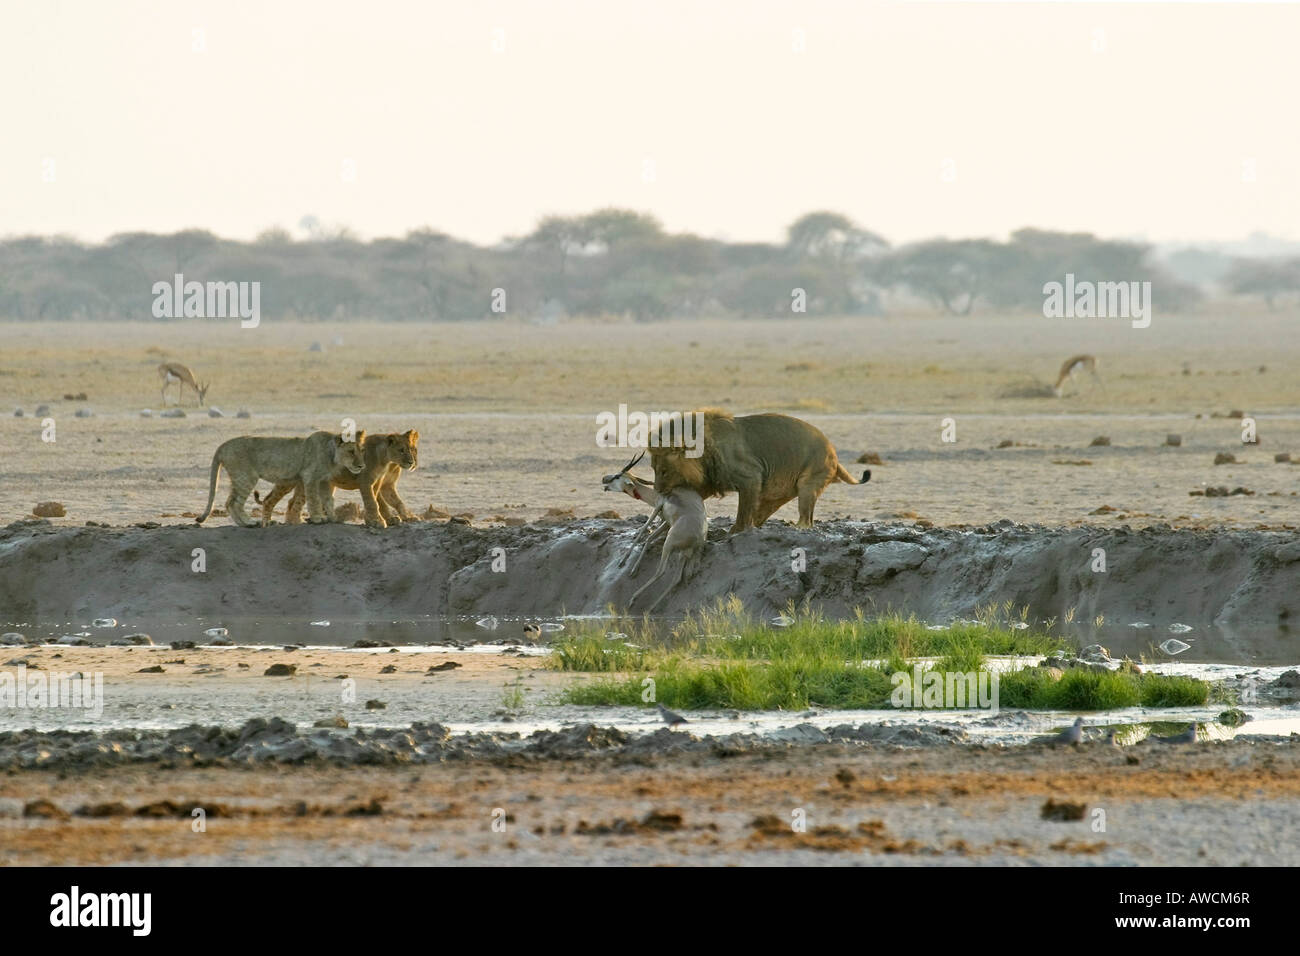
{"points": [[507, 411]]}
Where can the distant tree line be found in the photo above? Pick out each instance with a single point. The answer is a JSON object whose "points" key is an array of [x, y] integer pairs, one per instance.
{"points": [[609, 262]]}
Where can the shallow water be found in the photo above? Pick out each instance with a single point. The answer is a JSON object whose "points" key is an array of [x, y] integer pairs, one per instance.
{"points": [[1207, 643]]}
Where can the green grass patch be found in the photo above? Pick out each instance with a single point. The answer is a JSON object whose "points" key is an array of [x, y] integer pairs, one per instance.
{"points": [[725, 658]]}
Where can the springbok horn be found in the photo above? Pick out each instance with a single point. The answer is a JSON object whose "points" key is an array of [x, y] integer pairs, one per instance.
{"points": [[632, 463]]}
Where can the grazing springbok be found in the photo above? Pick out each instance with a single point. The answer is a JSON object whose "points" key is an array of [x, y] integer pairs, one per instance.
{"points": [[171, 372], [642, 490], [1073, 366], [688, 529]]}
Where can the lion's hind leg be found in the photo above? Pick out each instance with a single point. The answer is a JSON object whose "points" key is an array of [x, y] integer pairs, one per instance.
{"points": [[273, 498], [810, 489], [241, 486]]}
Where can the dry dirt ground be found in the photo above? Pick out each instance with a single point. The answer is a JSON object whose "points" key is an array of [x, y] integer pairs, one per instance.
{"points": [[507, 410], [1228, 805]]}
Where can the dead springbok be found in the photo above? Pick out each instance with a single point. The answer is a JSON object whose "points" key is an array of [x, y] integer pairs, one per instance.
{"points": [[1075, 365], [642, 490], [175, 372], [688, 529]]}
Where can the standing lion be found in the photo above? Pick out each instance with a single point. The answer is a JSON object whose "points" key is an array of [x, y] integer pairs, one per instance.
{"points": [[768, 459]]}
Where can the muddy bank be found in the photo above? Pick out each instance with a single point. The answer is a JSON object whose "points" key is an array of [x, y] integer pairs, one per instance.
{"points": [[276, 741], [1240, 580], [260, 742]]}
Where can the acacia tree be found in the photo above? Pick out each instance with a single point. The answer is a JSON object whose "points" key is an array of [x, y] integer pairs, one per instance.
{"points": [[830, 234], [1269, 278]]}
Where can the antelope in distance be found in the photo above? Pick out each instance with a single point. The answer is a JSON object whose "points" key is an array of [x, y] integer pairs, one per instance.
{"points": [[1075, 365], [175, 372]]}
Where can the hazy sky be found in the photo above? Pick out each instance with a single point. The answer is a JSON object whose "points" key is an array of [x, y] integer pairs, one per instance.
{"points": [[1164, 120]]}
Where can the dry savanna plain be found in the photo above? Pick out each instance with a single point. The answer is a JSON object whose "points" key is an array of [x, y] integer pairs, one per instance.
{"points": [[507, 410]]}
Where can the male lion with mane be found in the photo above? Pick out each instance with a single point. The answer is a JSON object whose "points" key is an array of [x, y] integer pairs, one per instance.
{"points": [[768, 459], [386, 456], [307, 461]]}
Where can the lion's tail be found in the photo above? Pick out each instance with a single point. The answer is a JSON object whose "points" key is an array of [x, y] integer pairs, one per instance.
{"points": [[844, 476], [212, 486]]}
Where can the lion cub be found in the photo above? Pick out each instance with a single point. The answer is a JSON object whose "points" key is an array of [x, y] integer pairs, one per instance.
{"points": [[306, 462], [386, 456]]}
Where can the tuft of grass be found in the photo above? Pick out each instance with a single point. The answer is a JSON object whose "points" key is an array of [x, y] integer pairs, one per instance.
{"points": [[1032, 687], [512, 696]]}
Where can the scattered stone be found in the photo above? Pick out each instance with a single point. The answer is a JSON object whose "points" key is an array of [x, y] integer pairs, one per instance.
{"points": [[280, 670], [1063, 811], [215, 412], [44, 809], [83, 413], [1095, 654], [315, 347], [869, 458], [41, 410], [337, 722], [1173, 440], [50, 509], [243, 413], [1223, 458], [114, 809], [375, 704], [444, 666], [156, 669], [172, 413], [1099, 441], [365, 643], [388, 669], [1282, 456], [18, 413], [1233, 717]]}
